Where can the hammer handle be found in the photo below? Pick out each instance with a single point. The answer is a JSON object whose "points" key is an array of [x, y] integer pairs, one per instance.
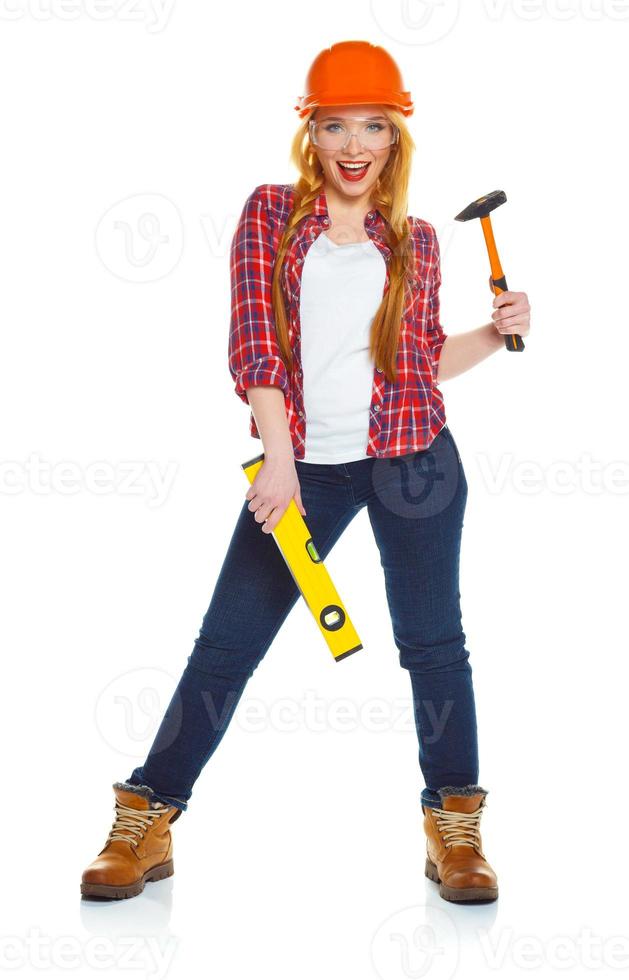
{"points": [[513, 341]]}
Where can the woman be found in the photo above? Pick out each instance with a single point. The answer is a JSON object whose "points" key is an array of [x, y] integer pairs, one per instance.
{"points": [[336, 345]]}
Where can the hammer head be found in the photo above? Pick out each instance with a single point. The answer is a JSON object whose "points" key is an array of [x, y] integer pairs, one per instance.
{"points": [[482, 206]]}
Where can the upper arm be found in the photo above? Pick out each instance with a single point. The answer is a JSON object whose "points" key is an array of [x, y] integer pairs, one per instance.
{"points": [[434, 329], [254, 355]]}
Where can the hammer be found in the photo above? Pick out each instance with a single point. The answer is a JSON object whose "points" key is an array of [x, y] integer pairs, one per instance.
{"points": [[481, 209]]}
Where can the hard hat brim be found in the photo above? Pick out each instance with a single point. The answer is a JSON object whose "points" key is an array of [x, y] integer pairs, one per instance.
{"points": [[404, 104]]}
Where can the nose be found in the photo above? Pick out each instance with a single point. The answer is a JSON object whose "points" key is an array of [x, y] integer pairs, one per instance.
{"points": [[349, 140]]}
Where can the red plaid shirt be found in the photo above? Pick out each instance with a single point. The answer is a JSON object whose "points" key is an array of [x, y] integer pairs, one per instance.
{"points": [[404, 416]]}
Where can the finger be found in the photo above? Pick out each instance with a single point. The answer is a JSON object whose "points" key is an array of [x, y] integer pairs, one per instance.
{"points": [[507, 296], [514, 309], [511, 318], [271, 522], [512, 324], [263, 512], [302, 509]]}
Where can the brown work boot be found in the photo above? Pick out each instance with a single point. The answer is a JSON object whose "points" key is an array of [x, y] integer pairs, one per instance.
{"points": [[453, 842], [139, 847]]}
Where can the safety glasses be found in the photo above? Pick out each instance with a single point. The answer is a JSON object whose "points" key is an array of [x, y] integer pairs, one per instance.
{"points": [[334, 133]]}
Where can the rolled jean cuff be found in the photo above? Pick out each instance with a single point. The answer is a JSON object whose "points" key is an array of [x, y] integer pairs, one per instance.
{"points": [[430, 797], [433, 797], [136, 783], [170, 800]]}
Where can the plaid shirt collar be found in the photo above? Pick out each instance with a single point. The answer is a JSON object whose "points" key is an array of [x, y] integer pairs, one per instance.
{"points": [[320, 210]]}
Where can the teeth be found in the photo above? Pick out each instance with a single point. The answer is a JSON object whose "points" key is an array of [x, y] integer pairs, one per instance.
{"points": [[352, 166]]}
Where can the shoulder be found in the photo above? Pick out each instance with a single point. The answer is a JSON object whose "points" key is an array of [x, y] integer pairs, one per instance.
{"points": [[426, 241], [422, 230], [274, 200], [426, 245]]}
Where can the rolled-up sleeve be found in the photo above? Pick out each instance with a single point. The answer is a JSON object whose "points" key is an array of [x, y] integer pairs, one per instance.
{"points": [[436, 334], [253, 351]]}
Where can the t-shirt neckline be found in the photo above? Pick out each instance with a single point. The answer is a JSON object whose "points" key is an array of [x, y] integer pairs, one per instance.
{"points": [[345, 244]]}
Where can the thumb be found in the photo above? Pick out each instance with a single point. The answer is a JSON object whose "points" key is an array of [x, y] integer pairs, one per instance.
{"points": [[491, 286]]}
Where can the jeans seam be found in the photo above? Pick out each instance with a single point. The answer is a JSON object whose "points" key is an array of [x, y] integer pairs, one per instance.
{"points": [[350, 485], [452, 442]]}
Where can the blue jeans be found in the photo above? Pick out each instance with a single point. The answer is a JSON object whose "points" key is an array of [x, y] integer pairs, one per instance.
{"points": [[415, 505]]}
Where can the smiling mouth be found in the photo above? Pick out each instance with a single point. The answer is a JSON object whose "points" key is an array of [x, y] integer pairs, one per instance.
{"points": [[353, 169]]}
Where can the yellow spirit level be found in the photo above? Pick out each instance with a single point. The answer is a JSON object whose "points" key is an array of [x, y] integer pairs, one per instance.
{"points": [[311, 577]]}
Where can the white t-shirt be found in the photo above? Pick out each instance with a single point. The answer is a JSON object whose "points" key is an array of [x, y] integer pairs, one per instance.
{"points": [[341, 289]]}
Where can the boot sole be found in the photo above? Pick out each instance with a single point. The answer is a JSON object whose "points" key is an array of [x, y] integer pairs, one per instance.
{"points": [[128, 891], [477, 894]]}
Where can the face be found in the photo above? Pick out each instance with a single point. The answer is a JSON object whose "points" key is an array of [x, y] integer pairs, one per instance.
{"points": [[352, 183]]}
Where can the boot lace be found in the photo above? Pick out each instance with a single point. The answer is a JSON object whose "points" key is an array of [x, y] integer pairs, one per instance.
{"points": [[130, 824], [459, 828]]}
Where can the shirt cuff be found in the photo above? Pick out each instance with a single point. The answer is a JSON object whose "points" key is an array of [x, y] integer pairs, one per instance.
{"points": [[269, 371]]}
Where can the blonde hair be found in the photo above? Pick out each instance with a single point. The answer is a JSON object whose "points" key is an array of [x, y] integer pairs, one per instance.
{"points": [[390, 195]]}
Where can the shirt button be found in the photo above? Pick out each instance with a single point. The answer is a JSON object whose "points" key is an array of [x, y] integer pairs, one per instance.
{"points": [[377, 408], [379, 370], [299, 261], [326, 221], [370, 215], [301, 415]]}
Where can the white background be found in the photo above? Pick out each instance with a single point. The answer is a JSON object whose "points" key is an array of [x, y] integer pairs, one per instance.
{"points": [[302, 851]]}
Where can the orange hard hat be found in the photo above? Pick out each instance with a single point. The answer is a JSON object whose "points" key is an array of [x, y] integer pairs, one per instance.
{"points": [[354, 73]]}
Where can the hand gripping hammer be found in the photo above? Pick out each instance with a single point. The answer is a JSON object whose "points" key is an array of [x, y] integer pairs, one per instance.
{"points": [[481, 209]]}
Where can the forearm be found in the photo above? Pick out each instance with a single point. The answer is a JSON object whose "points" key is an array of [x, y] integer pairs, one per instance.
{"points": [[269, 412], [462, 351]]}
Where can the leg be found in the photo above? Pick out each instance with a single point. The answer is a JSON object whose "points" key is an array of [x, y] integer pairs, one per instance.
{"points": [[417, 519], [253, 596]]}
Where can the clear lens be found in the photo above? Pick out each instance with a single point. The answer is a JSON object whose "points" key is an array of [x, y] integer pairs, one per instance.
{"points": [[334, 134]]}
